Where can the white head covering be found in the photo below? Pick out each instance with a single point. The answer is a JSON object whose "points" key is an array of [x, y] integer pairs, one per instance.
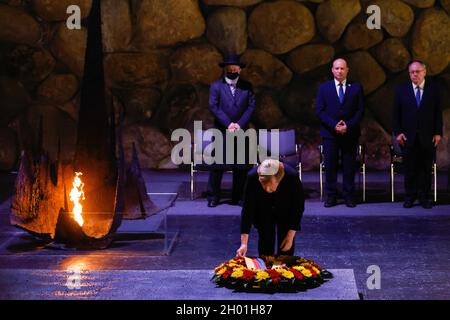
{"points": [[269, 167]]}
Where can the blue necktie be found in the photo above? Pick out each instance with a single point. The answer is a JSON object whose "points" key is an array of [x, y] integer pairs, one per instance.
{"points": [[341, 93], [233, 89], [418, 96]]}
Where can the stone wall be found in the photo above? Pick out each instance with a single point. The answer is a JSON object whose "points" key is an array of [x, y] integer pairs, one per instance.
{"points": [[161, 56]]}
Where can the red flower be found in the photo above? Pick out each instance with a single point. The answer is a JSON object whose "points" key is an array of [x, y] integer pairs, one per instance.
{"points": [[276, 280], [313, 272], [248, 275], [227, 273], [274, 275], [297, 274], [239, 260], [316, 265]]}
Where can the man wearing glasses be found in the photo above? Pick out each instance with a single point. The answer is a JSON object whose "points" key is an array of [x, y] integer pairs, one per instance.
{"points": [[417, 126]]}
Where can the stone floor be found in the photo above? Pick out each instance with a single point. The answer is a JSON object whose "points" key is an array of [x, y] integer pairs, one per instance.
{"points": [[411, 247], [153, 285]]}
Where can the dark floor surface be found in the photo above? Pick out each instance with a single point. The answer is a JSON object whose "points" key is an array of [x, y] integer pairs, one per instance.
{"points": [[411, 247]]}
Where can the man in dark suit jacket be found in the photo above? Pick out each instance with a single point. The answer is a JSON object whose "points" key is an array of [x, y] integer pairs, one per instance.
{"points": [[417, 126], [339, 106], [273, 203], [231, 100]]}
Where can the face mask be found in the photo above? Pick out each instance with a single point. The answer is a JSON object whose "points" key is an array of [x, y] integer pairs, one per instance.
{"points": [[232, 75]]}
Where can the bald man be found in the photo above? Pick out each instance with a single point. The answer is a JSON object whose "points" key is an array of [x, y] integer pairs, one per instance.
{"points": [[340, 108]]}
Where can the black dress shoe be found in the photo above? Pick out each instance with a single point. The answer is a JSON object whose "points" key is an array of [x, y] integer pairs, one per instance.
{"points": [[330, 203], [426, 204], [212, 203], [408, 204], [350, 203]]}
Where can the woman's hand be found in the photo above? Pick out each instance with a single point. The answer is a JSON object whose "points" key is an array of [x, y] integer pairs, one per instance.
{"points": [[286, 245], [242, 251], [288, 240]]}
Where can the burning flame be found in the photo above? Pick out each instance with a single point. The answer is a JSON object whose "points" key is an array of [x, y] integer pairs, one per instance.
{"points": [[75, 194]]}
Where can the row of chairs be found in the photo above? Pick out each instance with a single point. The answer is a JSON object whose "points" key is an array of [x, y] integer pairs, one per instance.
{"points": [[290, 152]]}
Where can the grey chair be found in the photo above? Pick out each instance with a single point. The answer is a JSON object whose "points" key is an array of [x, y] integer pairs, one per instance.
{"points": [[290, 152], [198, 162], [360, 162], [397, 167]]}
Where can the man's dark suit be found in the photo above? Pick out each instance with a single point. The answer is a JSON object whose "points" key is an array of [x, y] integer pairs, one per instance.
{"points": [[330, 111], [419, 125], [226, 109]]}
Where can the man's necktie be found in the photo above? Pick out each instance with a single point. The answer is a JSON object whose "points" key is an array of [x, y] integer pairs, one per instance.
{"points": [[341, 93], [418, 96], [233, 89]]}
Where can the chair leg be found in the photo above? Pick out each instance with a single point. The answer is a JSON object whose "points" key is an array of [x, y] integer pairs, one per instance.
{"points": [[392, 182], [321, 182], [192, 181], [359, 178], [435, 181], [364, 181]]}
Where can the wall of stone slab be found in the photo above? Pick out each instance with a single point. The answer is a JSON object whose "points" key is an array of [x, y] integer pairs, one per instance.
{"points": [[161, 56]]}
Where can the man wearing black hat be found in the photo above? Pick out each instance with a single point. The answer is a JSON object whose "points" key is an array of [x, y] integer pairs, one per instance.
{"points": [[231, 100]]}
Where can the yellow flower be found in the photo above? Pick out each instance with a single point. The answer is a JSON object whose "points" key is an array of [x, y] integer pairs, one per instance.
{"points": [[220, 266], [298, 268], [261, 275], [286, 273], [221, 271], [233, 265], [316, 270], [306, 273], [237, 273]]}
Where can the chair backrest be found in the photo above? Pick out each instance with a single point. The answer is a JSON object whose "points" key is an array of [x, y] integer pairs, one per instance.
{"points": [[361, 154], [198, 136], [202, 158], [286, 145], [200, 143], [286, 141], [396, 147], [397, 151]]}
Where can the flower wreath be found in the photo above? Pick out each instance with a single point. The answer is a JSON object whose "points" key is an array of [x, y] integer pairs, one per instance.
{"points": [[282, 274]]}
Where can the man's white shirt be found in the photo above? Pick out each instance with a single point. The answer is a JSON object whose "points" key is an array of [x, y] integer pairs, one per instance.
{"points": [[344, 86]]}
